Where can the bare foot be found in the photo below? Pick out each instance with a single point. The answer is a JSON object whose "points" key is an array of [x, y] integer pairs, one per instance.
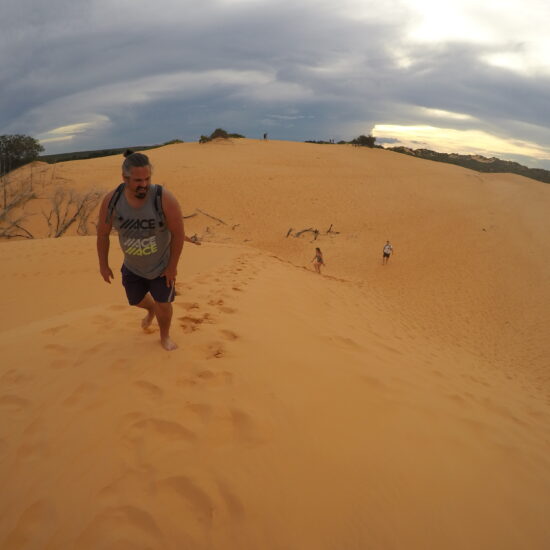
{"points": [[147, 320], [168, 345]]}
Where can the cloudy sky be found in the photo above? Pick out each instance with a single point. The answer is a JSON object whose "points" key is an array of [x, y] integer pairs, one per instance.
{"points": [[455, 76]]}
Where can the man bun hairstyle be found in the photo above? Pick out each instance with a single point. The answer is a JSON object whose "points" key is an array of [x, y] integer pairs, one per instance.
{"points": [[134, 160]]}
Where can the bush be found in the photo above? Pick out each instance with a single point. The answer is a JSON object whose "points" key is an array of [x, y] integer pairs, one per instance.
{"points": [[218, 133], [364, 141]]}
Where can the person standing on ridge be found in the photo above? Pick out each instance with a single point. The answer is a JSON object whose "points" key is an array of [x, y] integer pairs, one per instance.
{"points": [[387, 252], [151, 234]]}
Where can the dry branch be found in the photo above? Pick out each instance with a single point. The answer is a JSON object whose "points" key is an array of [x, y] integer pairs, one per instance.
{"points": [[69, 207], [309, 229], [8, 231], [210, 216]]}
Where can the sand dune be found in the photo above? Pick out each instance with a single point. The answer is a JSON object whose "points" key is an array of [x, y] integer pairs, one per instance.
{"points": [[398, 406]]}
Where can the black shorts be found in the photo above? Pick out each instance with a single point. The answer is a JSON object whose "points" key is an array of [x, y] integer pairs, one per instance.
{"points": [[137, 287], [386, 255]]}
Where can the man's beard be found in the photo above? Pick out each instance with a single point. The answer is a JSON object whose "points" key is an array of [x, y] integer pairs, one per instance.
{"points": [[141, 192]]}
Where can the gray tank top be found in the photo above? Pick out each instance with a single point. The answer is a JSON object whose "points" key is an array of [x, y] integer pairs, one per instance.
{"points": [[144, 237]]}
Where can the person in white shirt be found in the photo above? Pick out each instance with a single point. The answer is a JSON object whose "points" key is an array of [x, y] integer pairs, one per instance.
{"points": [[387, 252]]}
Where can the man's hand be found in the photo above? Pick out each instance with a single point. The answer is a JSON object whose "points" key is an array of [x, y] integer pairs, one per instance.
{"points": [[106, 273], [170, 274]]}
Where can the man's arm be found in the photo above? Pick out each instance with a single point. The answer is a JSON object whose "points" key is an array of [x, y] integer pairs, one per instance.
{"points": [[103, 231], [174, 220]]}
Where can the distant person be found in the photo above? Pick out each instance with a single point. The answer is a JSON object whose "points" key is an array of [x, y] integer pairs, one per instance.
{"points": [[151, 234], [318, 260], [265, 136], [387, 252]]}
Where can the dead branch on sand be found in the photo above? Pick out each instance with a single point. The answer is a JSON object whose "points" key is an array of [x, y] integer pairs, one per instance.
{"points": [[210, 216], [313, 230], [68, 207], [8, 231]]}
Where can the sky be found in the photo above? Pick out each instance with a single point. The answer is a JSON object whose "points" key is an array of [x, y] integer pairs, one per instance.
{"points": [[454, 76]]}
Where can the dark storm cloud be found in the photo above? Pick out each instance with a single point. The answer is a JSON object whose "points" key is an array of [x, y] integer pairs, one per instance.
{"points": [[136, 72]]}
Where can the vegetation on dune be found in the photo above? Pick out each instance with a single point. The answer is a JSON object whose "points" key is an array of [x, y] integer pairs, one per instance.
{"points": [[360, 141], [63, 208], [172, 141], [83, 155], [477, 163], [17, 150], [472, 162], [218, 133]]}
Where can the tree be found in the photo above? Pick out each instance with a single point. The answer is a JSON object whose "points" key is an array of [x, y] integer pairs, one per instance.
{"points": [[364, 141], [16, 150]]}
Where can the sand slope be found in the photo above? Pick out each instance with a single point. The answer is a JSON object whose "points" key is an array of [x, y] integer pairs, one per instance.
{"points": [[403, 406]]}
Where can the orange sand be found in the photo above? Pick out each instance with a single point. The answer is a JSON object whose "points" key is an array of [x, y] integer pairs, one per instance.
{"points": [[384, 407]]}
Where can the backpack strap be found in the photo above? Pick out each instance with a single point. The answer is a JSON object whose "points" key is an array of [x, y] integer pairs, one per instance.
{"points": [[158, 204], [112, 203], [116, 196]]}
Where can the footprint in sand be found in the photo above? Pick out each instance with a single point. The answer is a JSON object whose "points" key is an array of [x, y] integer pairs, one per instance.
{"points": [[80, 394], [229, 334], [191, 324], [94, 349], [233, 504], [105, 322], [226, 309], [201, 410], [215, 350], [54, 330], [194, 500], [233, 426], [56, 347], [15, 377], [119, 364], [149, 389], [207, 378], [155, 429], [187, 305]]}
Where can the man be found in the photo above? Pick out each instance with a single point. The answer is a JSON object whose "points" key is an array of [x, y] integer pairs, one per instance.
{"points": [[387, 252], [151, 235]]}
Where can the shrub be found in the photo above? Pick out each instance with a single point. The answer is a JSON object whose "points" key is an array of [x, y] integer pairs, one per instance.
{"points": [[218, 133], [364, 141]]}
